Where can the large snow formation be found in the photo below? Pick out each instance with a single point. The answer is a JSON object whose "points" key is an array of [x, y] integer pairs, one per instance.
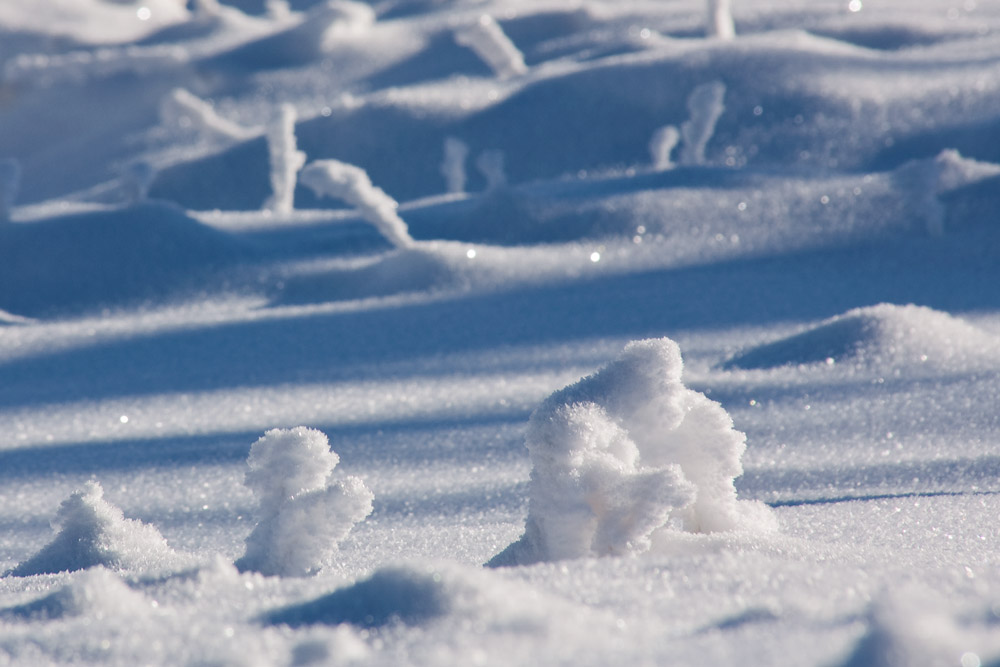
{"points": [[624, 453], [302, 514]]}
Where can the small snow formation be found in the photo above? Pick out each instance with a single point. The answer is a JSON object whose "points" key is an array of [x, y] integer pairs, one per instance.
{"points": [[928, 179], [719, 22], [10, 181], [339, 180], [96, 593], [91, 531], [881, 335], [183, 108], [661, 145], [491, 165], [487, 39], [285, 160], [705, 106], [453, 165], [136, 181], [624, 453], [302, 514]]}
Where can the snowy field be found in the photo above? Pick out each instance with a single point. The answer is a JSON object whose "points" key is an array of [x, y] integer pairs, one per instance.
{"points": [[500, 332]]}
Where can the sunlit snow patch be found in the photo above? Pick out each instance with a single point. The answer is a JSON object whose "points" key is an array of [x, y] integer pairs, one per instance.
{"points": [[302, 514], [885, 334], [95, 593], [624, 453], [91, 531]]}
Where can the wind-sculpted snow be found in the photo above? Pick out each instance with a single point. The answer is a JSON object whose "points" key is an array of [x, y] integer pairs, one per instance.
{"points": [[96, 592], [885, 335], [91, 531], [302, 513], [626, 452]]}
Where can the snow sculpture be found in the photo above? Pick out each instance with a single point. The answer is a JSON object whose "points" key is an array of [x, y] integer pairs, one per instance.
{"points": [[285, 159], [332, 178], [487, 39], [10, 182], [625, 453], [187, 110], [453, 165], [720, 20], [705, 107], [661, 145], [302, 514], [491, 165], [91, 531]]}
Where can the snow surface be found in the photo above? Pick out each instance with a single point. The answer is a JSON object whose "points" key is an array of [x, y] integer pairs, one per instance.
{"points": [[797, 196]]}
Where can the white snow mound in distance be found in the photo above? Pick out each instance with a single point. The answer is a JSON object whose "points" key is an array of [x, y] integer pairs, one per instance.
{"points": [[627, 452], [91, 531], [881, 335], [95, 593], [302, 514]]}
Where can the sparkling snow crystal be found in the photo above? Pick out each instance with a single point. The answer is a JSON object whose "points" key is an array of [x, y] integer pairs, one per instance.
{"points": [[92, 531], [302, 514], [626, 452]]}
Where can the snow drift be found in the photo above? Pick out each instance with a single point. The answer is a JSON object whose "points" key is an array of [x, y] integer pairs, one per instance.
{"points": [[95, 593], [624, 453], [91, 531], [885, 334], [302, 514]]}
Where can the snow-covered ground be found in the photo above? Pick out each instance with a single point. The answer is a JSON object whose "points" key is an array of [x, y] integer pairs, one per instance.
{"points": [[429, 233]]}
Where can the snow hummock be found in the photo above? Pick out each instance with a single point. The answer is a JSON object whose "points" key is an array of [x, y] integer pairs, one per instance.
{"points": [[302, 514], [96, 592], [881, 335], [91, 531], [626, 452]]}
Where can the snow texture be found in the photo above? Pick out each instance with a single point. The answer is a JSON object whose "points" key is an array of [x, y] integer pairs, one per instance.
{"points": [[488, 40], [302, 513], [332, 178], [625, 452], [90, 531], [285, 160], [705, 107]]}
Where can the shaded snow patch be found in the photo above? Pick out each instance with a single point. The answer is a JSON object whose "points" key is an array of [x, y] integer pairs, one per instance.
{"points": [[95, 593], [624, 453]]}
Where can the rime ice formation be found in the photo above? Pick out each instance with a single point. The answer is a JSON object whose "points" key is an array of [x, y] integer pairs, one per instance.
{"points": [[183, 108], [489, 42], [719, 22], [661, 145], [285, 160], [302, 514], [885, 334], [453, 164], [91, 531], [626, 452], [705, 106], [332, 178]]}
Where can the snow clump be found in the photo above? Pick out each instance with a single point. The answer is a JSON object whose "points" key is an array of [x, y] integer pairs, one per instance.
{"points": [[453, 164], [302, 514], [705, 105], [91, 531], [488, 40], [285, 159], [661, 145], [332, 178], [625, 453]]}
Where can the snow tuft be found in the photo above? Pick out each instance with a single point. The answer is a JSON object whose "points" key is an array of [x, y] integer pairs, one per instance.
{"points": [[881, 335], [626, 452], [285, 159], [705, 106], [91, 531], [661, 145], [302, 514], [488, 40], [453, 165]]}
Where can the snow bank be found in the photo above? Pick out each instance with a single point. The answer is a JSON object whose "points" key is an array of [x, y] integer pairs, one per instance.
{"points": [[302, 515], [489, 42], [96, 593], [626, 452], [91, 531], [881, 335], [285, 159], [339, 180]]}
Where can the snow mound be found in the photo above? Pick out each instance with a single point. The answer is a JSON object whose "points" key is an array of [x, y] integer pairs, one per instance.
{"points": [[80, 262], [624, 453], [302, 514], [885, 334], [91, 531], [95, 593]]}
